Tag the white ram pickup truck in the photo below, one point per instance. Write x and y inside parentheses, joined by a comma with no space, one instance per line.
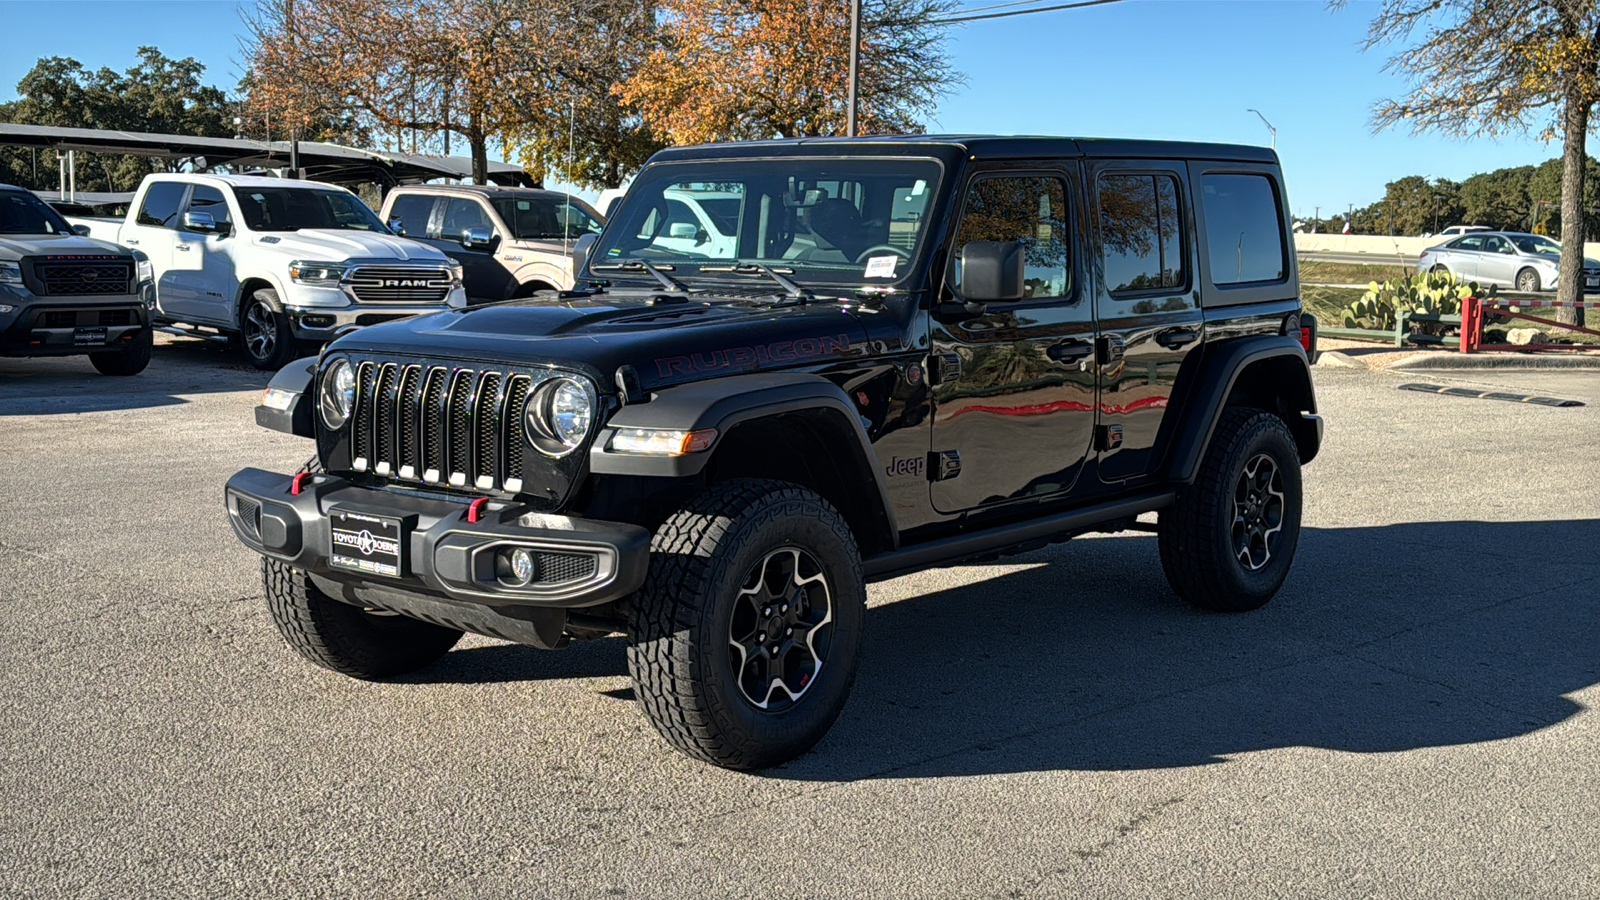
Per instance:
(274,263)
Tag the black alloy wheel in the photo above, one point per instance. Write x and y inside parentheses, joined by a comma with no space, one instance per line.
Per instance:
(780,629)
(1258,509)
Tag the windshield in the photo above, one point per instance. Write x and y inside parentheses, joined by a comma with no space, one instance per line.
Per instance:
(291,209)
(23,213)
(546,218)
(1532,243)
(851,221)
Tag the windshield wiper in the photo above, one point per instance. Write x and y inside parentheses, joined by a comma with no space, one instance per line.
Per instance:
(639,265)
(790,287)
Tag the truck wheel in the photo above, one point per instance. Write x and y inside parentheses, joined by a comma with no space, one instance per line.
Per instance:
(264,332)
(1228,541)
(126,362)
(743,640)
(346,639)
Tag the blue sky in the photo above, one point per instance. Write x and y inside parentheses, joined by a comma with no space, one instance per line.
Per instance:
(1179,69)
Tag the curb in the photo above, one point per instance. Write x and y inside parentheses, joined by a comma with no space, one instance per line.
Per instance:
(1453,361)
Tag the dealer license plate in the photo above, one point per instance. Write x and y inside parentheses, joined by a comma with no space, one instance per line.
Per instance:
(373,545)
(89,337)
(1592,282)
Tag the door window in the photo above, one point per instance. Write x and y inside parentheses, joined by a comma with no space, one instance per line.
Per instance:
(1141,233)
(461,215)
(1031,210)
(1468,243)
(208,199)
(161,203)
(1244,231)
(1497,244)
(412,210)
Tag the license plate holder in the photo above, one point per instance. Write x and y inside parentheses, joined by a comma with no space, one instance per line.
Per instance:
(89,336)
(367,543)
(1592,282)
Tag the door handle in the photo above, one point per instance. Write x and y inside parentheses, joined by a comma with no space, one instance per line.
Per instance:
(1177,337)
(1070,351)
(130,240)
(183,246)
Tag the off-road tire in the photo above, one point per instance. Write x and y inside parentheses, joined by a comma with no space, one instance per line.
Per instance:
(345,639)
(1196,532)
(1527,281)
(267,341)
(130,361)
(678,643)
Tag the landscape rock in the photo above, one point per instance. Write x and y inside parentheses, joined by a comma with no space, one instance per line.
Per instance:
(1524,336)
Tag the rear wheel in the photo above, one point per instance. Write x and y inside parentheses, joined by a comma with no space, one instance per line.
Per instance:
(130,361)
(1528,281)
(1229,539)
(264,332)
(1440,269)
(743,640)
(346,639)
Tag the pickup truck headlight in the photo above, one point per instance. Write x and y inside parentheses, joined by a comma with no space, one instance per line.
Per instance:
(317,273)
(336,395)
(559,415)
(147,271)
(10,273)
(458,273)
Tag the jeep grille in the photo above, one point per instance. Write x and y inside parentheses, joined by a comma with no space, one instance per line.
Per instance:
(440,426)
(76,279)
(399,284)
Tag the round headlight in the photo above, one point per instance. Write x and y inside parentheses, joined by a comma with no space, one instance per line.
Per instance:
(559,415)
(337,394)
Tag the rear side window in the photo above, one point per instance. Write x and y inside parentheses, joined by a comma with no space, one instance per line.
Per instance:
(1467,243)
(1244,233)
(1141,233)
(161,203)
(412,210)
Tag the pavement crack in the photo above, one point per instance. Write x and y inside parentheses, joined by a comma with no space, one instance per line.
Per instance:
(1099,849)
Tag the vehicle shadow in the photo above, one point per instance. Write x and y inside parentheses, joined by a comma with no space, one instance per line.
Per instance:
(69,384)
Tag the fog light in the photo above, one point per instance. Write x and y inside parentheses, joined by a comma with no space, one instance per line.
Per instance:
(317,321)
(517,566)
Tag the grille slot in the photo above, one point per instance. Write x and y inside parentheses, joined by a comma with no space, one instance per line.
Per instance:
(458,423)
(516,396)
(486,431)
(116,317)
(57,318)
(365,379)
(556,568)
(249,512)
(410,403)
(432,422)
(399,284)
(76,279)
(384,435)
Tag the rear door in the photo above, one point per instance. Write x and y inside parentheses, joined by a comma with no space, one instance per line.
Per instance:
(1148,304)
(152,230)
(1464,255)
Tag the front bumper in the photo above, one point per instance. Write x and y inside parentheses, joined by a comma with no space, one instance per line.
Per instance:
(445,555)
(61,327)
(322,323)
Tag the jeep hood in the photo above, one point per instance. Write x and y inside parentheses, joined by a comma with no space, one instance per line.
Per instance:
(339,244)
(17,245)
(665,343)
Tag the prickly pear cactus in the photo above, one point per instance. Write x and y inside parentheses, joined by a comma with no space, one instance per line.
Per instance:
(1423,293)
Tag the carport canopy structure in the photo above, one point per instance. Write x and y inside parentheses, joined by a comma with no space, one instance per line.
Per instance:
(332,163)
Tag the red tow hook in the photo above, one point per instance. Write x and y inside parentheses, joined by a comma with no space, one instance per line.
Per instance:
(472,510)
(294,486)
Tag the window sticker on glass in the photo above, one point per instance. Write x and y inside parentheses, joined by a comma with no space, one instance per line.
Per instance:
(881,266)
(918,188)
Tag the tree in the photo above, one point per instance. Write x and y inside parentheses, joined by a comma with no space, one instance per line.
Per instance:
(1481,67)
(159,95)
(752,69)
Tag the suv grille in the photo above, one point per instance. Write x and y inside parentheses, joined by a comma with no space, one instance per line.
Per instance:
(399,284)
(77,279)
(438,425)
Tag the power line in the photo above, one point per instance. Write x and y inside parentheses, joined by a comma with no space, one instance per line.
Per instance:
(1019,12)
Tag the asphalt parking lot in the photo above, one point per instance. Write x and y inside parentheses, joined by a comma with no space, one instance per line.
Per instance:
(1411,717)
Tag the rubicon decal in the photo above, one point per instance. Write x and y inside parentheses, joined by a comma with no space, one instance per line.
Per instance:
(753,357)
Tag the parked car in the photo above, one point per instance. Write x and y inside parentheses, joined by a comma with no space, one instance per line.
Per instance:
(510,242)
(1458,230)
(273,263)
(1526,262)
(983,345)
(62,293)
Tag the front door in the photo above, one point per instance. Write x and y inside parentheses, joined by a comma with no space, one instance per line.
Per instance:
(486,278)
(152,230)
(1014,386)
(202,285)
(1499,262)
(1147,302)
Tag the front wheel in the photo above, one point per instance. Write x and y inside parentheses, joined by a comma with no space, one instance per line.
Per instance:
(129,361)
(264,332)
(1528,281)
(743,640)
(1228,541)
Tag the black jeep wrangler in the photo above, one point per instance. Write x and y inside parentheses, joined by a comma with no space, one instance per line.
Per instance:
(799,367)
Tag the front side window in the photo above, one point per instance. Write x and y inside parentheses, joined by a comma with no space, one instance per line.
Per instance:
(1031,210)
(294,208)
(161,203)
(1141,234)
(23,213)
(1244,230)
(545,219)
(856,221)
(462,215)
(208,199)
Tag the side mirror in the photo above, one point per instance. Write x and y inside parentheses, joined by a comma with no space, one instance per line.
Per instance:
(581,248)
(991,272)
(397,226)
(682,230)
(199,222)
(80,230)
(478,239)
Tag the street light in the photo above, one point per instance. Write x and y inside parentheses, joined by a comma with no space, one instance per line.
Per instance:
(1269,127)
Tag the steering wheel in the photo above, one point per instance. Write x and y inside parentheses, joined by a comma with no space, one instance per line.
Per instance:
(862,256)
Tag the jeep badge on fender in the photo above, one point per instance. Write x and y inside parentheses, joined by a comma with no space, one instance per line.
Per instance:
(881,356)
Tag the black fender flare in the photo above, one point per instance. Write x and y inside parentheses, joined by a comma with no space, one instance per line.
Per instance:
(1215,381)
(724,404)
(292,395)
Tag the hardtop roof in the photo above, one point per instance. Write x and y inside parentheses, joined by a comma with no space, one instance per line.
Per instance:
(986,147)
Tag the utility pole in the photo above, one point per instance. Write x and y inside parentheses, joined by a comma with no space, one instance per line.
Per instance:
(1316,218)
(855,63)
(1269,127)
